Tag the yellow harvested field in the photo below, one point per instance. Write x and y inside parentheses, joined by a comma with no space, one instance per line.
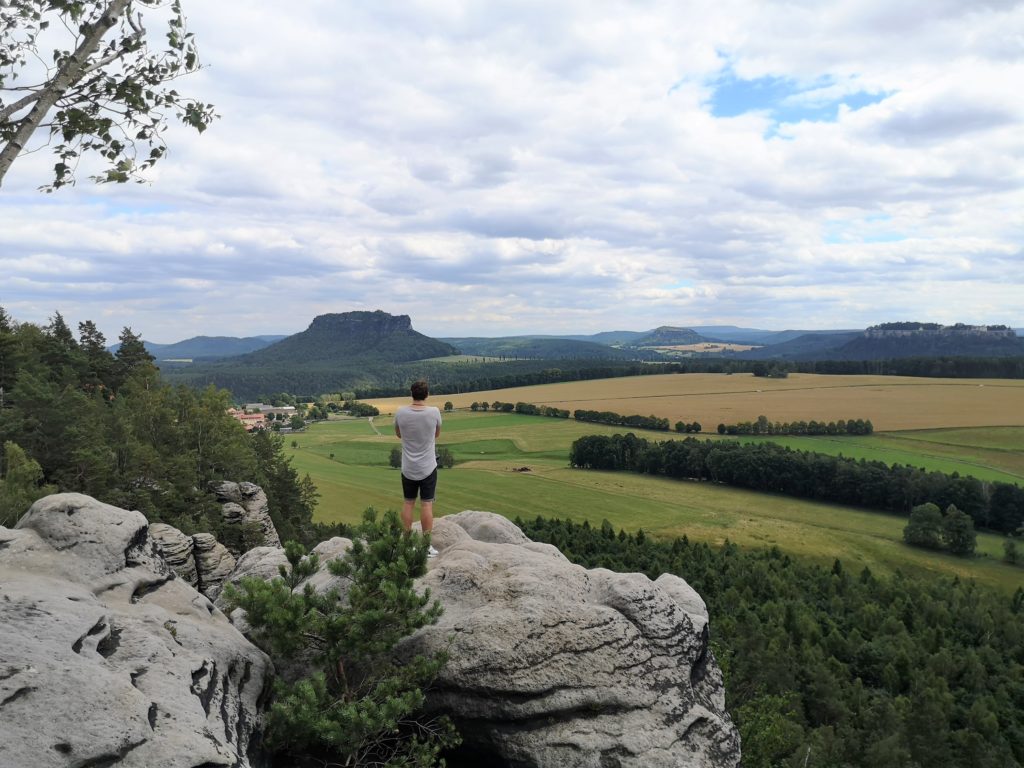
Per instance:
(891,402)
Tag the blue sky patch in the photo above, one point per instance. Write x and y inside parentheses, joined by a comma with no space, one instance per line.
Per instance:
(787,100)
(866,230)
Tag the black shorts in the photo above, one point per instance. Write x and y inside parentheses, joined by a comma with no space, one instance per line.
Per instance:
(425,487)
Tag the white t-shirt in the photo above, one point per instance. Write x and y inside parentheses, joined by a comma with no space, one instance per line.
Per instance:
(418,426)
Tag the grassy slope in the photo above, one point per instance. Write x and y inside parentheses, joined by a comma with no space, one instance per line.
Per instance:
(489,446)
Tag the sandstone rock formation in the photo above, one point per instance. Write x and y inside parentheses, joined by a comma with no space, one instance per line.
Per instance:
(202,560)
(551,664)
(214,563)
(245,508)
(107,659)
(177,550)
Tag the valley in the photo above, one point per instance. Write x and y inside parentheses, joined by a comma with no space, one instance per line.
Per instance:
(349,464)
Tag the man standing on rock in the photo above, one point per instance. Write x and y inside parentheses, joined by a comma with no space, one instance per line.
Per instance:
(419,425)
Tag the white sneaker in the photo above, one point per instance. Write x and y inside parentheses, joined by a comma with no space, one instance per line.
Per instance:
(431,552)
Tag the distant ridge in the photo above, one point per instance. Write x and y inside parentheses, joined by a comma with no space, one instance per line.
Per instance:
(199,347)
(804,346)
(543,347)
(897,340)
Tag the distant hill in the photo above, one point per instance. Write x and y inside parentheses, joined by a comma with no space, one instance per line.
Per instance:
(337,352)
(351,337)
(896,340)
(732,334)
(610,338)
(541,347)
(805,346)
(199,347)
(668,336)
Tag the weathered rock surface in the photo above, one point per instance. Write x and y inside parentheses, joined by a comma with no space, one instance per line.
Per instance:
(214,563)
(245,508)
(551,664)
(177,550)
(107,659)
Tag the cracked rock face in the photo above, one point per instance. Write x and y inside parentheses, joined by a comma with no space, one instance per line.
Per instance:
(551,664)
(108,659)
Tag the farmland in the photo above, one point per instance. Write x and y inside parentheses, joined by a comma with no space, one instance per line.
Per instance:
(488,447)
(890,402)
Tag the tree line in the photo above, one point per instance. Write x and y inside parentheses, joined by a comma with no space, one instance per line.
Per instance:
(774,468)
(74,417)
(831,667)
(618,420)
(763,426)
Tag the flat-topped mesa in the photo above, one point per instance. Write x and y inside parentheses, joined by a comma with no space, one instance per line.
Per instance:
(346,337)
(376,322)
(905,329)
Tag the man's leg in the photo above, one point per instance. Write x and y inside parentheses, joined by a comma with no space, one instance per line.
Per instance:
(409,490)
(428,487)
(426,515)
(407,506)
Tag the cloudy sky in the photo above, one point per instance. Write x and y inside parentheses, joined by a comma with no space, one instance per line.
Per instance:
(550,167)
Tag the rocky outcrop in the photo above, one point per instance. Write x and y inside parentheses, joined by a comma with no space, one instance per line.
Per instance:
(177,550)
(245,510)
(108,659)
(202,560)
(214,563)
(551,664)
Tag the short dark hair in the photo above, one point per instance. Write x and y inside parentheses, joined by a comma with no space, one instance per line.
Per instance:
(419,390)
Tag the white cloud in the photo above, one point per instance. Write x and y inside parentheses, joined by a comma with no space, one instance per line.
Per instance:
(530,167)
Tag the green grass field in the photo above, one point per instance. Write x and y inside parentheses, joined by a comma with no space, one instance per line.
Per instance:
(349,464)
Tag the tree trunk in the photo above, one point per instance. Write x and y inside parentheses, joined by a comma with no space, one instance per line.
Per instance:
(67,76)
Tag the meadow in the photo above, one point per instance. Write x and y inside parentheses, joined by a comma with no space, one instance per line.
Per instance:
(348,460)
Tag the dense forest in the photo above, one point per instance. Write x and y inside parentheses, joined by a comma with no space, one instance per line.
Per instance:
(824,667)
(368,379)
(74,417)
(778,469)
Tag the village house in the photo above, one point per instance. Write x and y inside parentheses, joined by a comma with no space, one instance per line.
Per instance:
(250,421)
(264,408)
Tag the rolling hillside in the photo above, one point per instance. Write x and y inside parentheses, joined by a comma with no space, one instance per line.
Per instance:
(536,348)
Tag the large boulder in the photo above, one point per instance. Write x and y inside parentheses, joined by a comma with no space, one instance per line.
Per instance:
(106,658)
(551,664)
(246,516)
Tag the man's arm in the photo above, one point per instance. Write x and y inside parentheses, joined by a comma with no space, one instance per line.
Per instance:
(437,429)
